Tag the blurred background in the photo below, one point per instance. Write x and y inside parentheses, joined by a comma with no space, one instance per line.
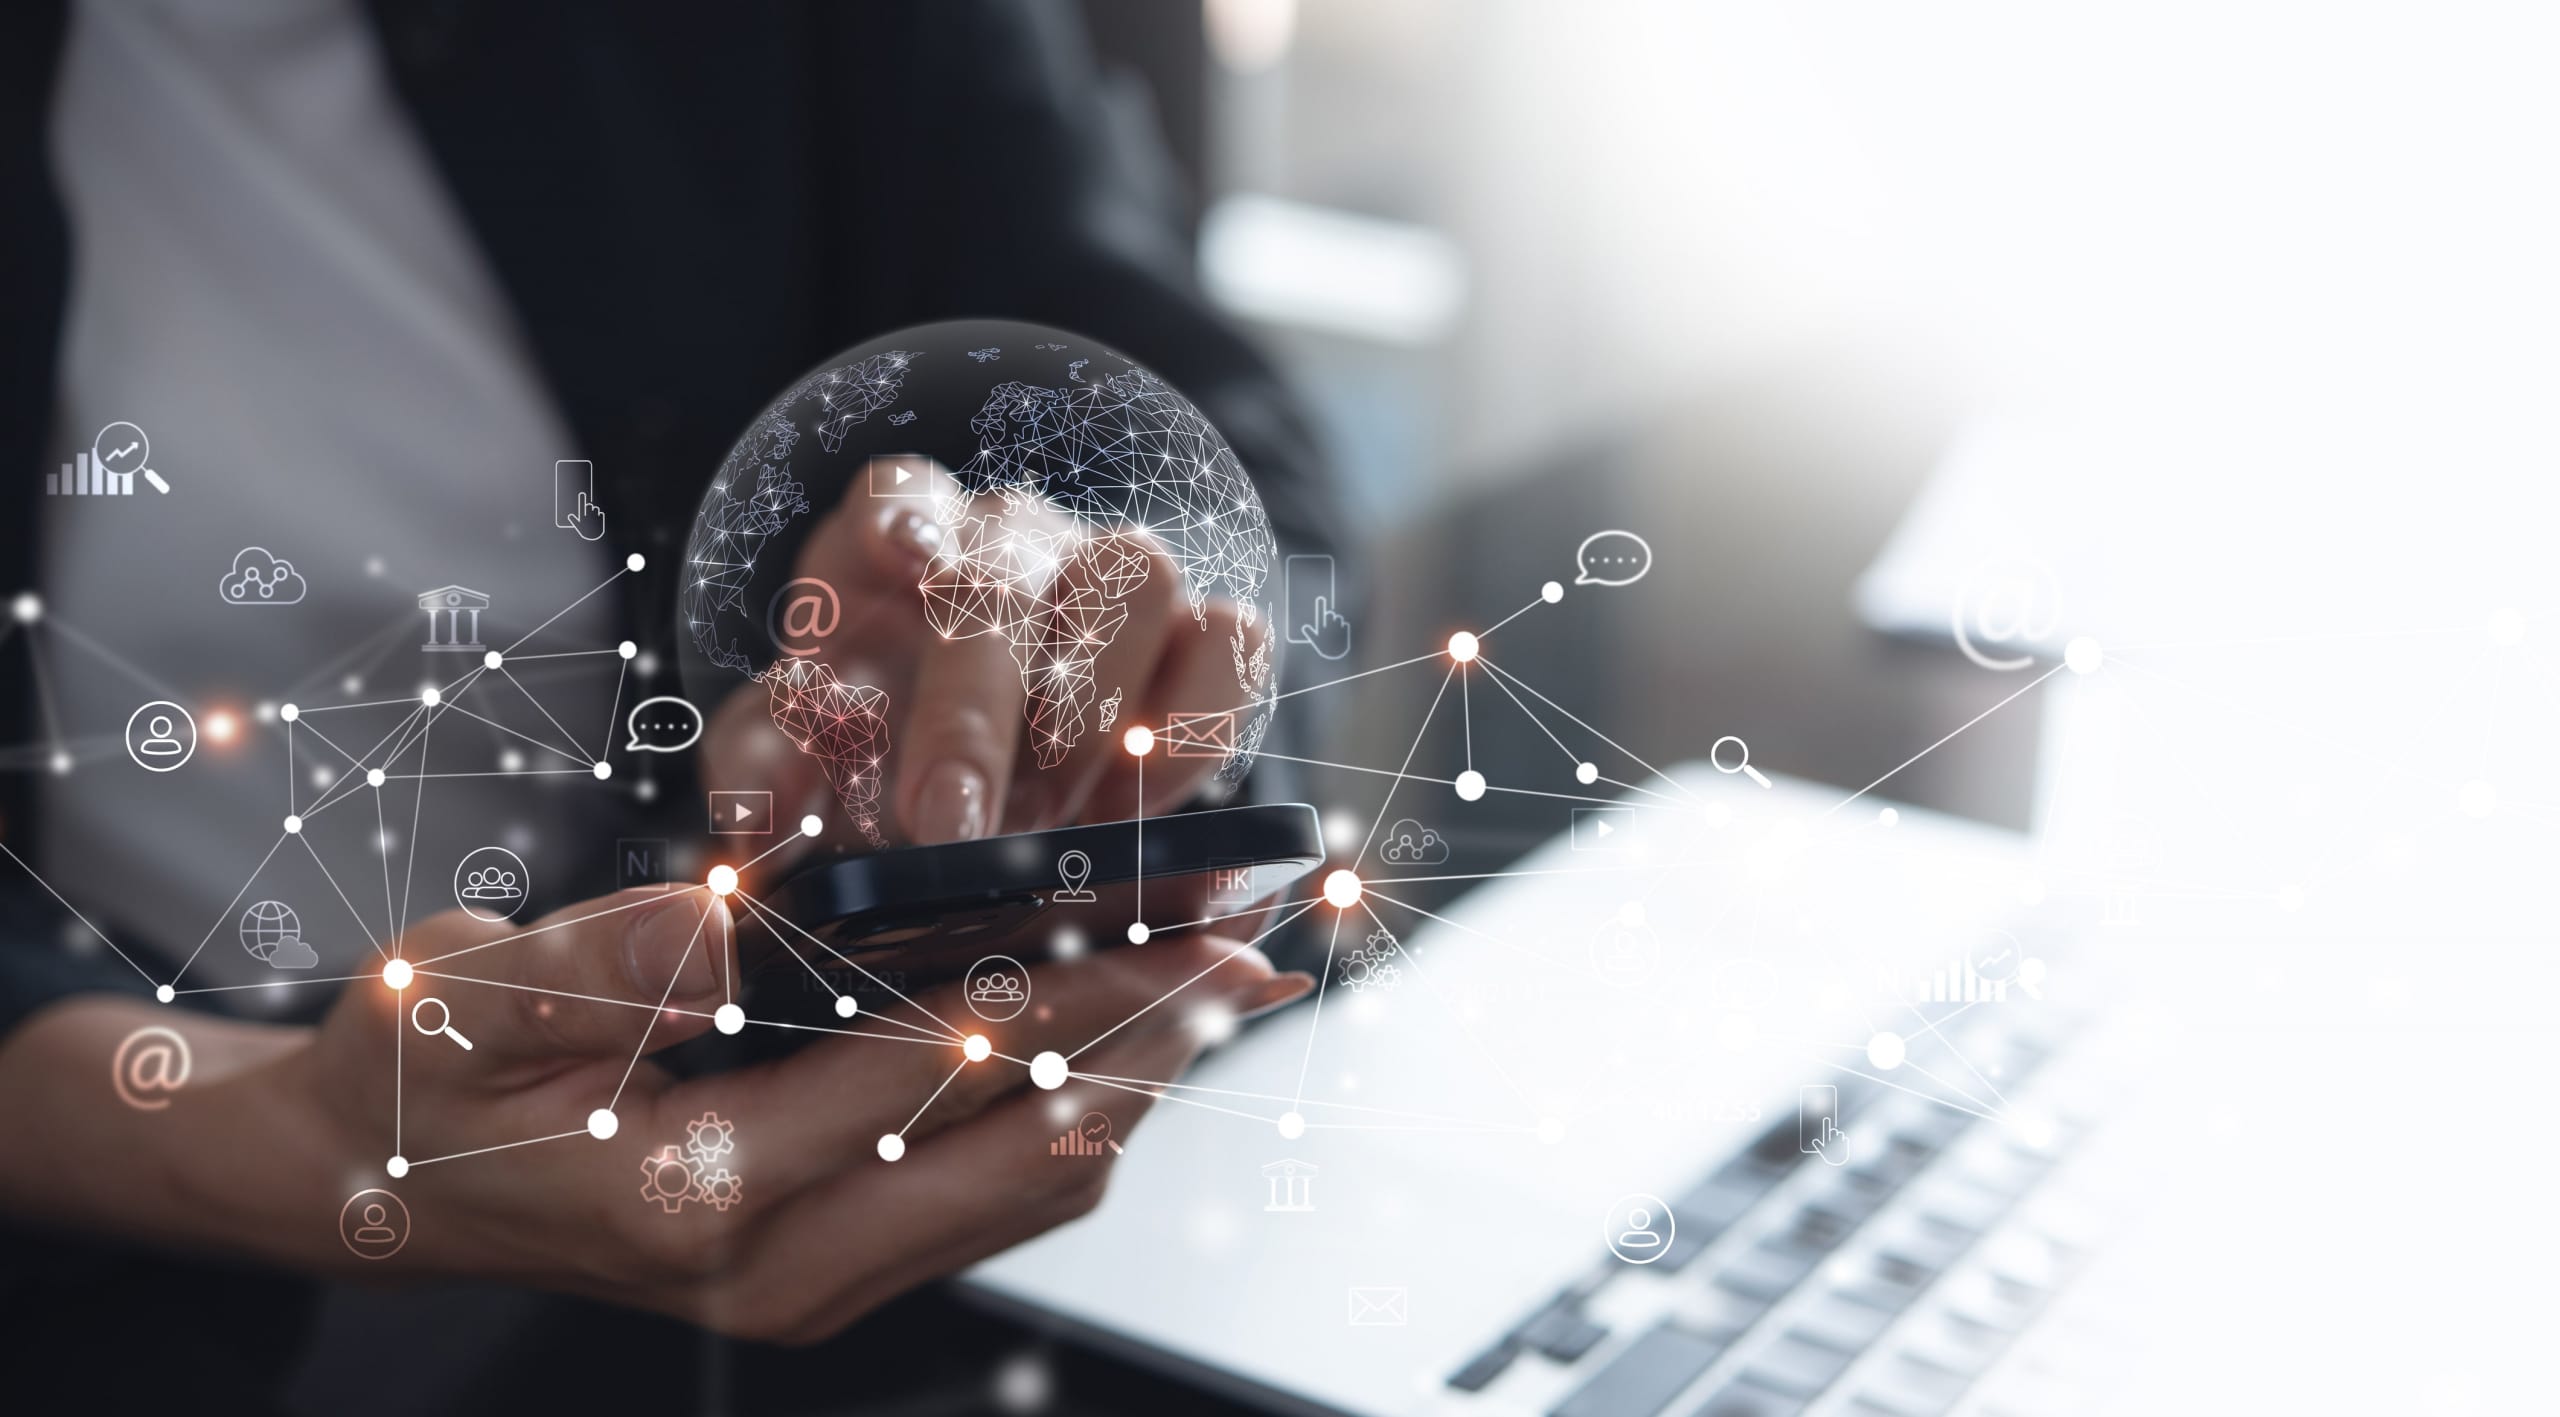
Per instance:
(2221,333)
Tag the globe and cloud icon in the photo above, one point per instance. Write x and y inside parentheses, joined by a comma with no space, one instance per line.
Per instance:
(272,934)
(260,577)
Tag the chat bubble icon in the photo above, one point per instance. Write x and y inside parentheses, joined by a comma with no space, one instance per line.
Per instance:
(1611,558)
(665,724)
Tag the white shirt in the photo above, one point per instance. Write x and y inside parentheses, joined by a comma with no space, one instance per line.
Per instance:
(268,277)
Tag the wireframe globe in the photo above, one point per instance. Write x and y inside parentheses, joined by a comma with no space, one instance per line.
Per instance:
(1057,470)
(266,925)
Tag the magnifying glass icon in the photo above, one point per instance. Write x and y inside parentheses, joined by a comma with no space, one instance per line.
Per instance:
(444,1020)
(124,449)
(1741,759)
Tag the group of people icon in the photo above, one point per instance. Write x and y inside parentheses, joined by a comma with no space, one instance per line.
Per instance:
(493,883)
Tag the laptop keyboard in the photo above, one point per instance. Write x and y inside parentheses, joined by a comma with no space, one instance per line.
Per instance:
(1890,1287)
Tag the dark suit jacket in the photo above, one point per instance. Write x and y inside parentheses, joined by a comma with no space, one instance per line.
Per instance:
(688,204)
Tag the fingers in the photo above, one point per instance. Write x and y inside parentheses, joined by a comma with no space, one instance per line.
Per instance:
(977,1188)
(1150,607)
(828,1105)
(582,982)
(1195,674)
(956,759)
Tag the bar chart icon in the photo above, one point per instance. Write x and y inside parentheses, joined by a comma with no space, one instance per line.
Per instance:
(84,477)
(1959,982)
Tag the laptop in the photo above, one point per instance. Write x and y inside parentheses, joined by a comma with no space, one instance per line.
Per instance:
(1757,1103)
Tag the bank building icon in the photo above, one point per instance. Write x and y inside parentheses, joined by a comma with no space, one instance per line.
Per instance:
(1292,1184)
(447,627)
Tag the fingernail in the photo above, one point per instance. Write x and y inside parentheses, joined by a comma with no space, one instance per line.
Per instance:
(952,806)
(913,531)
(665,934)
(1276,992)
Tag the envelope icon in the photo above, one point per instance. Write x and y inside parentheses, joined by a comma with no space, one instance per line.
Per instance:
(1200,735)
(1377,1306)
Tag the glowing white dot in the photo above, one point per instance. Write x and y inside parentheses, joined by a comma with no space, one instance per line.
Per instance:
(1551,1129)
(1140,741)
(2506,626)
(845,1006)
(289,712)
(811,825)
(165,993)
(729,1018)
(626,649)
(635,561)
(511,761)
(892,1146)
(397,1166)
(977,1048)
(492,660)
(1586,773)
(1462,647)
(60,763)
(28,607)
(602,1124)
(1886,1051)
(398,974)
(322,777)
(1138,932)
(1470,785)
(1049,1071)
(2083,655)
(373,777)
(603,771)
(722,880)
(647,664)
(2478,798)
(293,824)
(220,726)
(1887,817)
(1292,1126)
(1551,592)
(1342,889)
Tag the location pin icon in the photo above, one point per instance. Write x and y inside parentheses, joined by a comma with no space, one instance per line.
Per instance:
(1073,868)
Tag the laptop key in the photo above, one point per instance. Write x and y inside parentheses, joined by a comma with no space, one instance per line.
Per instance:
(1843,1322)
(1798,1364)
(1766,1271)
(1745,1398)
(1914,1389)
(1481,1370)
(1646,1376)
(1561,1333)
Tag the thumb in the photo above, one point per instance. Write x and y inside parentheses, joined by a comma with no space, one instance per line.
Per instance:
(585,980)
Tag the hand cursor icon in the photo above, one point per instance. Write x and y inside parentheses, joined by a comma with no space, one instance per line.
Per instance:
(587,520)
(1329,635)
(1833,1144)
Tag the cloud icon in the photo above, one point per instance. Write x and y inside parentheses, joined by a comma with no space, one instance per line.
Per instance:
(1410,843)
(259,577)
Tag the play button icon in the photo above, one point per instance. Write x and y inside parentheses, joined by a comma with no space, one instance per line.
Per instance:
(1604,828)
(901,475)
(742,813)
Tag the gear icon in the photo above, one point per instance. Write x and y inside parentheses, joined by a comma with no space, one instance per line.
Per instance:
(720,1189)
(710,1138)
(667,1178)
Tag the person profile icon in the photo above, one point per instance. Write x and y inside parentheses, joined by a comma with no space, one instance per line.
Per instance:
(1074,868)
(1639,1234)
(160,742)
(373,1231)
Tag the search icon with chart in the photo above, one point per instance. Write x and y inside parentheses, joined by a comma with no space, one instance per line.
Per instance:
(1741,759)
(123,450)
(443,1020)
(1091,1136)
(490,884)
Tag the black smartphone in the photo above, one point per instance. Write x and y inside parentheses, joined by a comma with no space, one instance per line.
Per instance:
(918,915)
